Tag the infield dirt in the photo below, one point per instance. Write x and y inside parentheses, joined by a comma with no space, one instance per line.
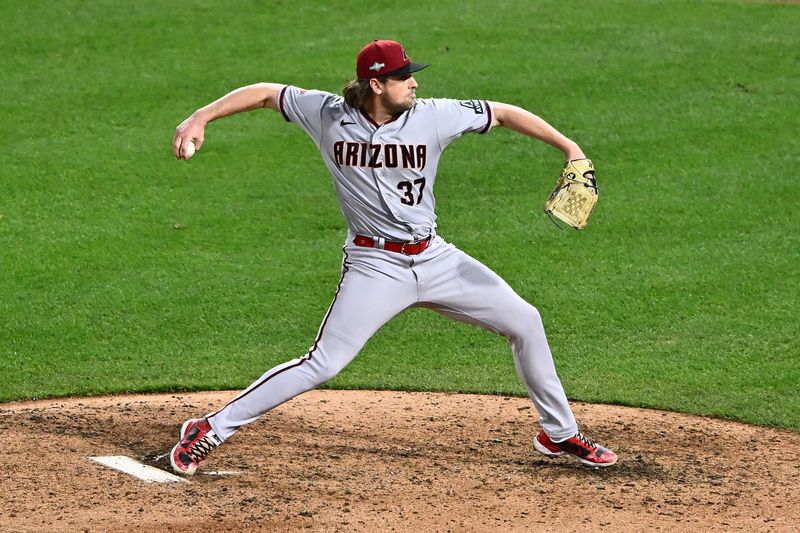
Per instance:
(390,461)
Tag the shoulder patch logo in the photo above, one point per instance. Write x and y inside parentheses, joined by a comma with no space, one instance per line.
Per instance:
(377,66)
(475,105)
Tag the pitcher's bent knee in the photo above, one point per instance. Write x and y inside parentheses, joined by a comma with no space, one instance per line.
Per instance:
(527,322)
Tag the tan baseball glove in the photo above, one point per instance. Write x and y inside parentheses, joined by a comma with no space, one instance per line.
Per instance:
(575,195)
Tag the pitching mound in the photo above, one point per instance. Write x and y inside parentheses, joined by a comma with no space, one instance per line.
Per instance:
(388,461)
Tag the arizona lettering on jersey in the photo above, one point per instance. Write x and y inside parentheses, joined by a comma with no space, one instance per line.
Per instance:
(384,174)
(363,154)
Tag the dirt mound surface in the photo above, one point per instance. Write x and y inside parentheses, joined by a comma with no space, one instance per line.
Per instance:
(389,461)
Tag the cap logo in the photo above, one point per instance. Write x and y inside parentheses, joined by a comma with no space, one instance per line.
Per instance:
(405,54)
(377,66)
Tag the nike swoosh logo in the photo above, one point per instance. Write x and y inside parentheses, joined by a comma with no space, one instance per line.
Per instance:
(345,123)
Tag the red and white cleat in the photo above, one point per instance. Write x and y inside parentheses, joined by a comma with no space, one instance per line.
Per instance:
(197,441)
(581,447)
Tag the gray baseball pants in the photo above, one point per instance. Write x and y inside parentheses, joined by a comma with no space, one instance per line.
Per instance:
(376,285)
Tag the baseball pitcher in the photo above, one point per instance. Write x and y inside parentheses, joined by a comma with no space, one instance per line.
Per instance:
(382,146)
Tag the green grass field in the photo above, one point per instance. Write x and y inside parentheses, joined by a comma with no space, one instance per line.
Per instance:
(122,269)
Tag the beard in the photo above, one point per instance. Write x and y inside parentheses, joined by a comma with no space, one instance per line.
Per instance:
(395,107)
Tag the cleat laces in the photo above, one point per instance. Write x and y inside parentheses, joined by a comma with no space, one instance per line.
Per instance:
(580,436)
(201,449)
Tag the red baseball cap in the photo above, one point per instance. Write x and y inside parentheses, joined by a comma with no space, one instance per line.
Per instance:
(383,58)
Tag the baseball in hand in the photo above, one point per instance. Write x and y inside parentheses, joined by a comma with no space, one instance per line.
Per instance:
(190,149)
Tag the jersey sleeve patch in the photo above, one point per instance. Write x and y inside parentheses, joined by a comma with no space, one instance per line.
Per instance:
(475,105)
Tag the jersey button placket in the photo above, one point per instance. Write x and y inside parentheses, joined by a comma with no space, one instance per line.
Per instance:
(377,172)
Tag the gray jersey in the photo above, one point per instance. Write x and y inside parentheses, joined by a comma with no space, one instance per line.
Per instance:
(384,174)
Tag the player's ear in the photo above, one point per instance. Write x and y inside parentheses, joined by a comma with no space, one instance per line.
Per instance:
(376,85)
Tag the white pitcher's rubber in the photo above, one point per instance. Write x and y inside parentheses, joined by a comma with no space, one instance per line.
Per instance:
(137,469)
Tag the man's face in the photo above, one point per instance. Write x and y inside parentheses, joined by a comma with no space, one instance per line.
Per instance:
(399,93)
